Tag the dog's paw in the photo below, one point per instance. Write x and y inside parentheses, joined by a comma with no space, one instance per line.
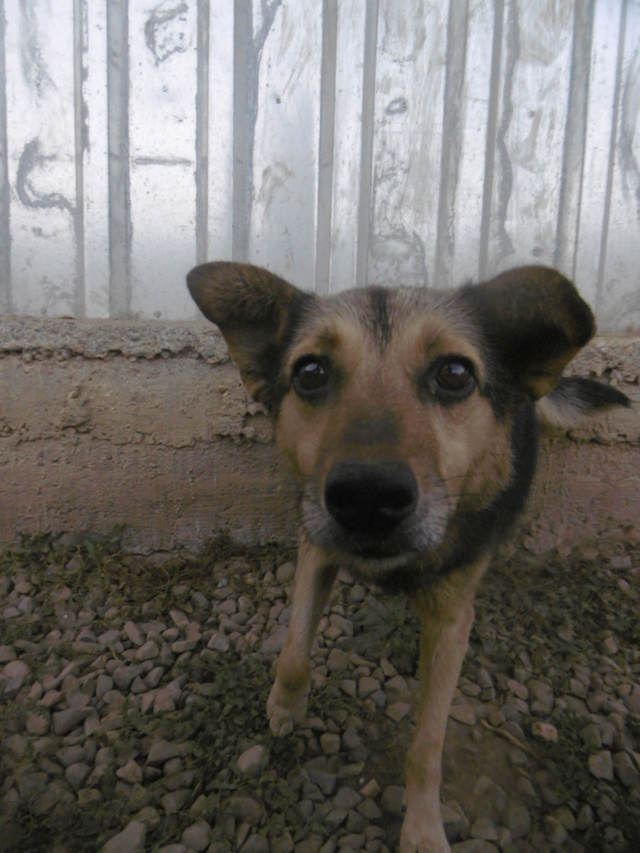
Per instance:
(418,838)
(424,845)
(284,710)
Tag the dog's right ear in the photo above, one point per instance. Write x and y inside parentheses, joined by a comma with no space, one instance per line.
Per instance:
(257,313)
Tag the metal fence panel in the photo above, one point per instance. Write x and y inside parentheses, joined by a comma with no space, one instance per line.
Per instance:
(337,142)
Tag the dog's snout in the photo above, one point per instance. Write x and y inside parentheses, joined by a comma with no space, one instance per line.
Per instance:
(370,499)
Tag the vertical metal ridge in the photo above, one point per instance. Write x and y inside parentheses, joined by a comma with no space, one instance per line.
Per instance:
(247,52)
(568,224)
(118,132)
(6,299)
(326,144)
(202,133)
(79,26)
(451,139)
(604,237)
(492,136)
(242,128)
(366,152)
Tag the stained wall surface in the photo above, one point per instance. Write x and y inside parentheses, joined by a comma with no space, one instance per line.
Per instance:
(337,142)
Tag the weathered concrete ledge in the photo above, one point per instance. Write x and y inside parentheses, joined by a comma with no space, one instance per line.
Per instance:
(105,422)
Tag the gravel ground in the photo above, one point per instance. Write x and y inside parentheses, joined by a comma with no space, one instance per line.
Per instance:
(132,697)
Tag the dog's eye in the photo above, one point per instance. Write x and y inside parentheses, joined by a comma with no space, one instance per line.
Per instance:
(452,378)
(310,374)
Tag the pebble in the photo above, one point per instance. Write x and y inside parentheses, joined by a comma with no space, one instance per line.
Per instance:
(196,836)
(392,800)
(14,675)
(130,840)
(252,760)
(601,765)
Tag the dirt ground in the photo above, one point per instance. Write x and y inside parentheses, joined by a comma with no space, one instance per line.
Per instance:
(543,744)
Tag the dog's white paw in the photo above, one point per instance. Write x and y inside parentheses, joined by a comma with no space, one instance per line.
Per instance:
(424,845)
(284,710)
(418,838)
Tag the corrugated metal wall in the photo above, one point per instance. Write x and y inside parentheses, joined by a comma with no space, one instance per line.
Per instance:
(337,142)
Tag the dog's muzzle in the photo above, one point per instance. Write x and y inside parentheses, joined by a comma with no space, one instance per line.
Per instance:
(370,500)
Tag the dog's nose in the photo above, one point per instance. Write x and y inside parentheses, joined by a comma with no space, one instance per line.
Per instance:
(370,499)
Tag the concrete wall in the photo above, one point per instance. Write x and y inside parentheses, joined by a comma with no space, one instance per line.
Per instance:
(111,423)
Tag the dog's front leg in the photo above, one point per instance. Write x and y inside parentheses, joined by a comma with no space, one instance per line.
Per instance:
(287,703)
(446,616)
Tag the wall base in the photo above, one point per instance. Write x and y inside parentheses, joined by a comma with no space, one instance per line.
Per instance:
(149,426)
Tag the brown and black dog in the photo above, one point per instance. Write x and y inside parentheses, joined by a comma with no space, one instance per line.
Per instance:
(407,417)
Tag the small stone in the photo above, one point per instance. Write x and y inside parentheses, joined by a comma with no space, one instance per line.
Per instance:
(147,651)
(392,799)
(89,797)
(37,724)
(163,750)
(633,700)
(167,698)
(245,809)
(219,642)
(541,697)
(14,676)
(130,772)
(196,836)
(463,714)
(153,678)
(518,822)
(330,743)
(585,818)
(179,619)
(66,721)
(625,770)
(175,801)
(70,755)
(338,660)
(371,789)
(252,760)
(350,687)
(398,711)
(545,731)
(103,685)
(134,633)
(6,654)
(130,840)
(273,644)
(285,572)
(124,675)
(323,779)
(367,686)
(346,799)
(76,775)
(601,765)
(343,625)
(554,830)
(564,815)
(484,828)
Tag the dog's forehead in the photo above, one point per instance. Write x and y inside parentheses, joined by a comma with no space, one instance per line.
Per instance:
(417,320)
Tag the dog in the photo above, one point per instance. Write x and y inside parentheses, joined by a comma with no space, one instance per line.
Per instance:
(408,419)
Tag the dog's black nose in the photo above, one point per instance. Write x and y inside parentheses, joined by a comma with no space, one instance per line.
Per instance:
(370,499)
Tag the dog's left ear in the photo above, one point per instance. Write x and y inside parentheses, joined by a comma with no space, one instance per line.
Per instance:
(535,321)
(256,312)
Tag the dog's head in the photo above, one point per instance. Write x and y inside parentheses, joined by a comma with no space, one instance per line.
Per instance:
(395,409)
